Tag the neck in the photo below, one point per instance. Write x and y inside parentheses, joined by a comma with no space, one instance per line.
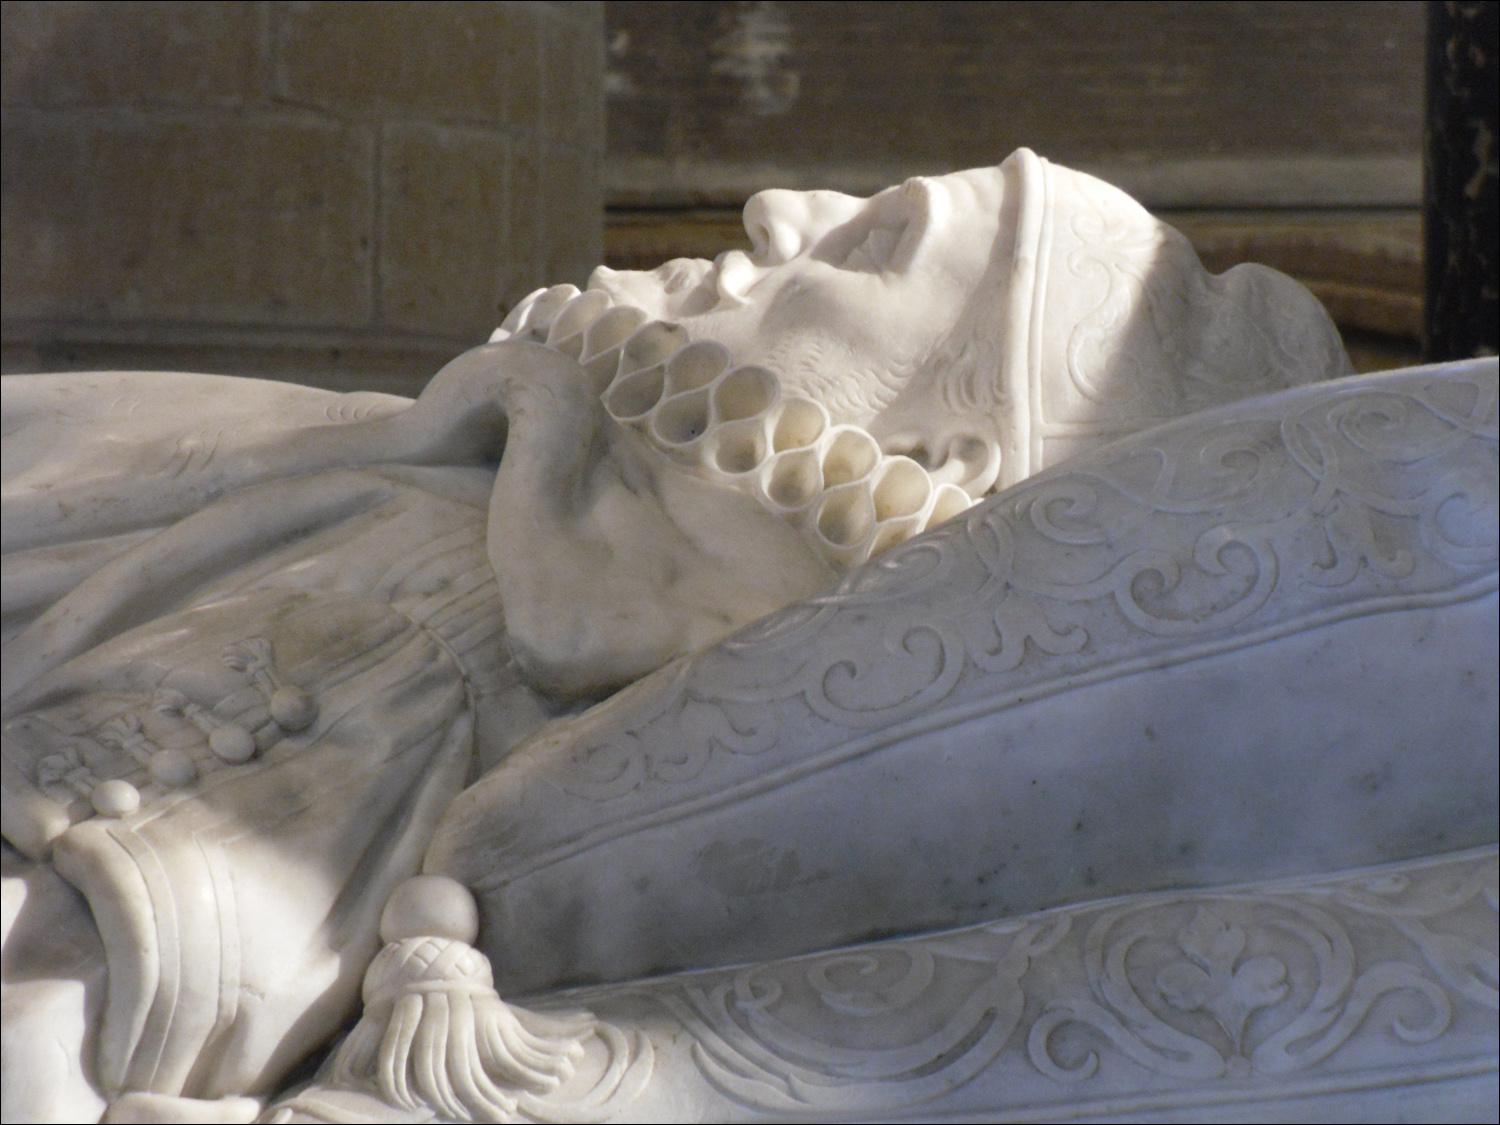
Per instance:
(732,424)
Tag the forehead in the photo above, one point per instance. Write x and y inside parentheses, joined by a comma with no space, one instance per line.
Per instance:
(977,190)
(975,185)
(972,186)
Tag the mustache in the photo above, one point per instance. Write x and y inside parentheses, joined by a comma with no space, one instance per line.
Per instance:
(676,288)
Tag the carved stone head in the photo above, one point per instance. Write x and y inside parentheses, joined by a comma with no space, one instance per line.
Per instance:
(990,322)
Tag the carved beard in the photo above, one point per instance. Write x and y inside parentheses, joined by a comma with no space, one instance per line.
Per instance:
(732,424)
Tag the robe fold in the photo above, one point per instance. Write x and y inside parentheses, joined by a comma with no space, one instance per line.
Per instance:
(240,906)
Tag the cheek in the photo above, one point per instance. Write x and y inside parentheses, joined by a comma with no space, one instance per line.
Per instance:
(853,345)
(849,340)
(846,313)
(738,329)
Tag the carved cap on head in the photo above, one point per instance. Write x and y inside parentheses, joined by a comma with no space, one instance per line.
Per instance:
(1109,324)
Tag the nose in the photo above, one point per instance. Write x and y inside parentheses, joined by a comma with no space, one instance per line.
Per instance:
(783,224)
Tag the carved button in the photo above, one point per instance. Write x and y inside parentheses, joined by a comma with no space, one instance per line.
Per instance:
(173,769)
(293,709)
(232,743)
(116,798)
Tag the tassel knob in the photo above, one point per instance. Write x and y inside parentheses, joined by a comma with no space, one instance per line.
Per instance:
(430,906)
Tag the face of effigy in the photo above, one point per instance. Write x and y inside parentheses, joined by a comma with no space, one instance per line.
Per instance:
(871,367)
(813,376)
(873,307)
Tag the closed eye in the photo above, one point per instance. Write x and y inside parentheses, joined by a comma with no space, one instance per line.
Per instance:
(874,254)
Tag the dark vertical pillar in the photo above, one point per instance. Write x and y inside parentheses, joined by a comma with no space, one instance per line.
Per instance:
(1461,204)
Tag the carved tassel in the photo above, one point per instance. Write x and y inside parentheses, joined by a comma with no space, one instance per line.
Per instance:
(435,1033)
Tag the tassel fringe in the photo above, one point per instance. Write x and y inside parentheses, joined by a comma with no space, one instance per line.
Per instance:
(436,1034)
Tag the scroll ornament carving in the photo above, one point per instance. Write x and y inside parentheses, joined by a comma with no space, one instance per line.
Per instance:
(1209,973)
(752,1047)
(1191,989)
(1144,317)
(1172,991)
(1260,519)
(1287,956)
(1335,983)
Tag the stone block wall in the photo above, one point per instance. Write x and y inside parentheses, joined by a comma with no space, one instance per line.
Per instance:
(340,193)
(1283,132)
(1248,103)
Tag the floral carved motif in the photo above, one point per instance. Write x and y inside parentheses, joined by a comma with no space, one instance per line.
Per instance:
(1256,520)
(1339,983)
(1267,1015)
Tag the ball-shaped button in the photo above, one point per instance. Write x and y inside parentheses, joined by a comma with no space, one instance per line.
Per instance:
(293,709)
(173,769)
(232,743)
(116,798)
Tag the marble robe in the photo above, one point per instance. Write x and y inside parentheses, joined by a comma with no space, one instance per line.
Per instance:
(238,911)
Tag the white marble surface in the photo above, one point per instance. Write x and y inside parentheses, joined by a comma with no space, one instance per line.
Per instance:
(271,652)
(1363,996)
(1257,641)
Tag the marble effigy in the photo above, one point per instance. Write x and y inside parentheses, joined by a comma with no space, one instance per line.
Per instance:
(959,573)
